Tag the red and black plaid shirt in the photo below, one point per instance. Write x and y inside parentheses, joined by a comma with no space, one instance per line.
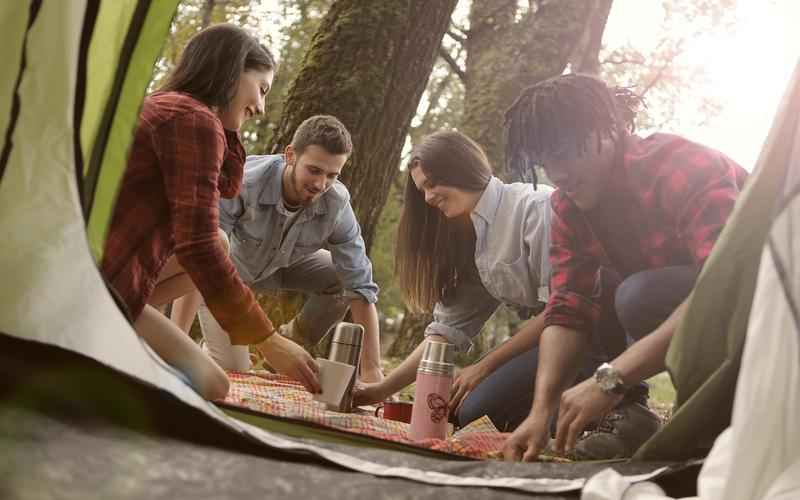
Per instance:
(181,161)
(665,205)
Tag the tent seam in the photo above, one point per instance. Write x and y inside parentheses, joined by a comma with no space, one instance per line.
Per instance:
(126,55)
(16,104)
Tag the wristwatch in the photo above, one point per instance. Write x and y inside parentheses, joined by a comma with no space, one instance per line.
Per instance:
(609,380)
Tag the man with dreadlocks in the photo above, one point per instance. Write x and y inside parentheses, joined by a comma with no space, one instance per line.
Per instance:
(634,219)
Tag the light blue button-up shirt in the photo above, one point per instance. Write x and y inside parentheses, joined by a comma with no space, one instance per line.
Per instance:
(256,219)
(512,229)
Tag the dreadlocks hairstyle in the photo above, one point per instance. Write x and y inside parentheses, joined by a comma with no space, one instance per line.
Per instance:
(433,252)
(561,113)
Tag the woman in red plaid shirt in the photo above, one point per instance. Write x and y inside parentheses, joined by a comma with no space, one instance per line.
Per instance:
(164,240)
(634,219)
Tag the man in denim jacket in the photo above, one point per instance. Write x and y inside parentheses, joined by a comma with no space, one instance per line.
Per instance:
(292,228)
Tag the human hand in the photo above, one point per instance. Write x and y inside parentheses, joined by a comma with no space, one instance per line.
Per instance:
(288,358)
(369,393)
(528,440)
(467,379)
(581,405)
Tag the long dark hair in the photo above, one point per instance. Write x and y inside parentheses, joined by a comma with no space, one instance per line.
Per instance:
(434,252)
(561,113)
(212,62)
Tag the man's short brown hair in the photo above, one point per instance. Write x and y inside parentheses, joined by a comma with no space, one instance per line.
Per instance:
(325,131)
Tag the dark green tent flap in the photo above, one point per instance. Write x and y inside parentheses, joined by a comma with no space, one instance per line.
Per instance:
(705,355)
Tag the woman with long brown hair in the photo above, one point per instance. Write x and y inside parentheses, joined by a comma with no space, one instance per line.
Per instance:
(164,239)
(468,242)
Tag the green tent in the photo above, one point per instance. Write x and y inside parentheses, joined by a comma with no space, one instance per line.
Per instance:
(86,408)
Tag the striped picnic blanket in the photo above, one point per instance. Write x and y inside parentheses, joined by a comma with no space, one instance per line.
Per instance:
(281,396)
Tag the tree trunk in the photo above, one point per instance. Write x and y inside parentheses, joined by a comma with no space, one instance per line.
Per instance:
(410,334)
(368,65)
(505,55)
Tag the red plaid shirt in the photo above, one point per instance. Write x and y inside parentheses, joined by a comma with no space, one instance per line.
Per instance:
(665,205)
(180,163)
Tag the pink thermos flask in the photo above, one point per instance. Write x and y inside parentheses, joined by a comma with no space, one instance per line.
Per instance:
(432,394)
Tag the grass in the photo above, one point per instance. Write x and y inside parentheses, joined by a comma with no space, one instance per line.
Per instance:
(662,395)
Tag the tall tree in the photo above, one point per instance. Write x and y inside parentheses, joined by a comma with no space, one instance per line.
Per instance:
(368,64)
(509,49)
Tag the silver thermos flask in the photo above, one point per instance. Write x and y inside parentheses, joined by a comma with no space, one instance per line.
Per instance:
(346,348)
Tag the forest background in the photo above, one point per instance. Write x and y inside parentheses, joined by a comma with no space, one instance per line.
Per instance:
(396,70)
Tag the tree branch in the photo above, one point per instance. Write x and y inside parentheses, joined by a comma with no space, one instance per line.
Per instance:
(456,36)
(663,69)
(458,70)
(638,59)
(208,9)
(585,56)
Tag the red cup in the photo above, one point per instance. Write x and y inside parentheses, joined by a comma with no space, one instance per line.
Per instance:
(395,410)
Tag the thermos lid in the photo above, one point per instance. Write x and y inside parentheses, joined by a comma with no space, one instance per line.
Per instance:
(348,333)
(437,358)
(438,352)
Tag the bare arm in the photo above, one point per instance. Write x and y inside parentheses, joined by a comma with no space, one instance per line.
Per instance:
(647,357)
(586,402)
(398,378)
(469,378)
(526,338)
(560,349)
(366,315)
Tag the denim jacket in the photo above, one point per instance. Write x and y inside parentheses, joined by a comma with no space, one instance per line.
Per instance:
(512,229)
(255,221)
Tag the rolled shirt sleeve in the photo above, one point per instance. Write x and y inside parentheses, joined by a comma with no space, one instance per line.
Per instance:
(349,256)
(461,316)
(574,270)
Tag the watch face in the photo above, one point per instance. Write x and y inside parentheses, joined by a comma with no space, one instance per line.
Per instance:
(607,377)
(606,383)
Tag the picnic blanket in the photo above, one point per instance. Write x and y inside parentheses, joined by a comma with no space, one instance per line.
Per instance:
(281,396)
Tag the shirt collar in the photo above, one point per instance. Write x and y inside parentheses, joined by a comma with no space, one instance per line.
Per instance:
(489,200)
(271,191)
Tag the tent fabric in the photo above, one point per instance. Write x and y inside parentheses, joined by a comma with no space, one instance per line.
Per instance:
(281,396)
(705,354)
(74,394)
(758,456)
(55,298)
(147,26)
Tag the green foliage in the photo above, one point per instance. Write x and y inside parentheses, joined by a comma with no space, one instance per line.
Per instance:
(297,21)
(191,17)
(663,73)
(286,27)
(382,252)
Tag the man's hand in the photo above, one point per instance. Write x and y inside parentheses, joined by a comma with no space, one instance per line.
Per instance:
(288,358)
(528,440)
(367,394)
(581,405)
(467,379)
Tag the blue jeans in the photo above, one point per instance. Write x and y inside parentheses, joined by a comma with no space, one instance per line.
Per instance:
(631,310)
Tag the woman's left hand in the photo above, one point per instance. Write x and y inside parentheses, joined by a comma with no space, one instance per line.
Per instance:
(467,379)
